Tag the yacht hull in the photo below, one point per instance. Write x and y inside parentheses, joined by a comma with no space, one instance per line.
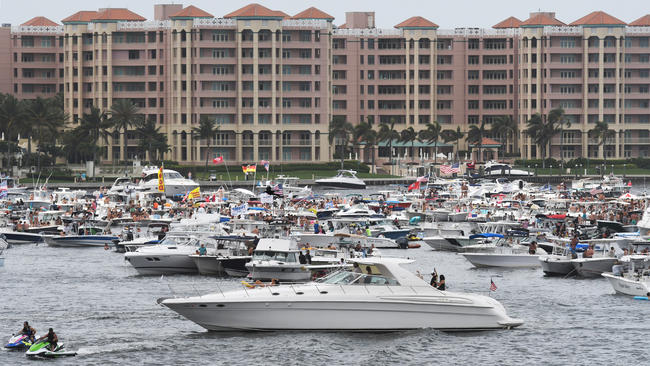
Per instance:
(593,267)
(486,260)
(448,244)
(155,264)
(341,185)
(207,265)
(554,265)
(327,311)
(17,238)
(74,241)
(627,286)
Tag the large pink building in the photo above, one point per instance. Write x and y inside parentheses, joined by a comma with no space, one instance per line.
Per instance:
(273,81)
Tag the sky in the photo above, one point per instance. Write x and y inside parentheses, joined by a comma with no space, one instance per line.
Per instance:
(447,14)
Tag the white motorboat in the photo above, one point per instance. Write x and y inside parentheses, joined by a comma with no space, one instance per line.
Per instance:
(494,168)
(343,240)
(277,259)
(175,183)
(171,256)
(344,179)
(593,267)
(391,298)
(514,256)
(218,250)
(635,281)
(75,241)
(21,237)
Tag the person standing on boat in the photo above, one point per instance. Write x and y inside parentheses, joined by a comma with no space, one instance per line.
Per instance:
(316,229)
(434,279)
(308,257)
(301,258)
(368,232)
(441,284)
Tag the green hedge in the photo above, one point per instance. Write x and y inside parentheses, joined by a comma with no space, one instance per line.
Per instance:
(643,163)
(274,168)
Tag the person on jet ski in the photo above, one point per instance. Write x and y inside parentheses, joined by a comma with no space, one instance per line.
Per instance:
(28,331)
(51,338)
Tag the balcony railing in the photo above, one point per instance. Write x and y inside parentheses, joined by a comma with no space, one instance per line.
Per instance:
(37,29)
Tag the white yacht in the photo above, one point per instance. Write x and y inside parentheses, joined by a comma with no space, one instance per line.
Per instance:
(344,179)
(277,259)
(494,168)
(505,255)
(175,183)
(635,281)
(171,256)
(391,298)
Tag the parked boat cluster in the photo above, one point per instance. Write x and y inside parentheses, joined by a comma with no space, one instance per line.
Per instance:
(321,257)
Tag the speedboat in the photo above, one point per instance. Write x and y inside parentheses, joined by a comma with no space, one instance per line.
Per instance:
(494,168)
(219,250)
(510,256)
(344,179)
(635,281)
(171,256)
(75,241)
(42,349)
(175,183)
(21,237)
(389,299)
(277,259)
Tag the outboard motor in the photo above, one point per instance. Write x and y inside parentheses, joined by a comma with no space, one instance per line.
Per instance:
(402,243)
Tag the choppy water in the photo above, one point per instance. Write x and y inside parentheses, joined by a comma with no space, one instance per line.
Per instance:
(100,307)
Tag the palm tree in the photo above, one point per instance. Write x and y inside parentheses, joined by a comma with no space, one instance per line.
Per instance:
(453,136)
(124,115)
(358,133)
(12,115)
(541,132)
(505,127)
(601,132)
(339,130)
(93,127)
(206,130)
(388,133)
(409,135)
(371,138)
(432,134)
(475,136)
(46,119)
(152,140)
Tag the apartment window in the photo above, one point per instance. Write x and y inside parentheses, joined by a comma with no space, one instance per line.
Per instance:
(472,74)
(371,59)
(472,104)
(472,89)
(473,60)
(566,42)
(134,55)
(473,44)
(567,59)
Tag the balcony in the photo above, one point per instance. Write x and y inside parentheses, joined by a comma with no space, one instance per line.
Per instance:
(637,140)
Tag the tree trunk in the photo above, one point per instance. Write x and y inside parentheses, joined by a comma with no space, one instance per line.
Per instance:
(207,153)
(372,149)
(435,156)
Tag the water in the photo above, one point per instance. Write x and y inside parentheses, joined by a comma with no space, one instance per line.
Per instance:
(100,307)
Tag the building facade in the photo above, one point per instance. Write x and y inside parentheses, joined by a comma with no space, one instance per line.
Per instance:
(273,81)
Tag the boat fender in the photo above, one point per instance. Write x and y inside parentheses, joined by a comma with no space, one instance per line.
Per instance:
(643,298)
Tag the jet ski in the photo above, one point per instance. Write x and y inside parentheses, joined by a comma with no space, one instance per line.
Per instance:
(42,349)
(18,341)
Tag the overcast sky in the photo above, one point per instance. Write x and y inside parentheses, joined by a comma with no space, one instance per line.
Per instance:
(448,13)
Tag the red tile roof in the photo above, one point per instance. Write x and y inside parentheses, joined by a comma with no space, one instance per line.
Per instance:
(343,26)
(254,10)
(40,22)
(81,16)
(282,14)
(598,18)
(489,141)
(511,22)
(644,21)
(417,22)
(313,13)
(118,14)
(541,19)
(192,12)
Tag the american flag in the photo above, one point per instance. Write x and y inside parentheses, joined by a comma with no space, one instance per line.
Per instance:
(278,189)
(450,169)
(493,287)
(595,191)
(423,179)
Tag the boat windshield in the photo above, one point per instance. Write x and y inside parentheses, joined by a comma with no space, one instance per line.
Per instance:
(274,256)
(353,278)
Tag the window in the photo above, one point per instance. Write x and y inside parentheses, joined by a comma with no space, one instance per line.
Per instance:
(134,55)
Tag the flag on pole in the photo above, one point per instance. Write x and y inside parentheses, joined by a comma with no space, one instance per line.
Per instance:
(450,169)
(423,179)
(266,164)
(249,168)
(493,287)
(195,193)
(218,160)
(161,180)
(414,185)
